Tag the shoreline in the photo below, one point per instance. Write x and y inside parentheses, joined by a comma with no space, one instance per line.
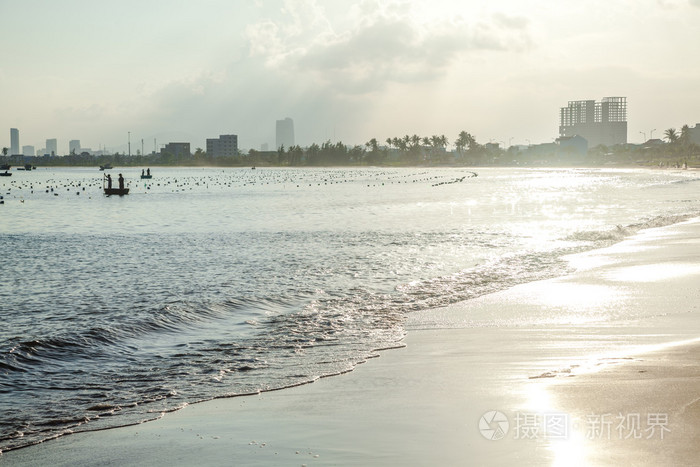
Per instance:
(423,404)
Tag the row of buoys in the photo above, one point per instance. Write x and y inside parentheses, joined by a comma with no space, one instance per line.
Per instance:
(239,178)
(450,182)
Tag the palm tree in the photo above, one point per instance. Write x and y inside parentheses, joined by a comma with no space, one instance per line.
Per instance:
(671,135)
(397,143)
(460,143)
(415,141)
(685,135)
(373,145)
(281,156)
(465,141)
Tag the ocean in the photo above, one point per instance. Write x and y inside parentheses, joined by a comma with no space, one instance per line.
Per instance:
(216,282)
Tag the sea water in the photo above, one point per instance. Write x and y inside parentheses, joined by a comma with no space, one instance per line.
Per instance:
(210,282)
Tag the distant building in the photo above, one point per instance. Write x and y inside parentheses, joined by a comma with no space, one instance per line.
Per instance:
(542,150)
(74,146)
(14,142)
(654,142)
(223,146)
(52,147)
(264,147)
(28,151)
(603,122)
(284,134)
(572,145)
(177,149)
(694,134)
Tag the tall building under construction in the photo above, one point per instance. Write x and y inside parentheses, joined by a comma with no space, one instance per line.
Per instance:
(603,122)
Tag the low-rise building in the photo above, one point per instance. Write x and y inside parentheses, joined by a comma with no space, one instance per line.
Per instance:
(573,145)
(223,146)
(694,134)
(177,149)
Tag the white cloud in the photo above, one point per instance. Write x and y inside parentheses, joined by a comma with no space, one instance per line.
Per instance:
(264,40)
(387,42)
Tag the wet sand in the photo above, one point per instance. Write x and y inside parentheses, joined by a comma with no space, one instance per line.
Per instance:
(642,412)
(433,402)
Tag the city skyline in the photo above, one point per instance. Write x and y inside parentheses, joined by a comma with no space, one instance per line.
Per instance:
(343,71)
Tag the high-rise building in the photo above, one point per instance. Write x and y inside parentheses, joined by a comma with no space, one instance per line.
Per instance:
(14,142)
(28,151)
(74,146)
(223,146)
(603,122)
(52,147)
(284,134)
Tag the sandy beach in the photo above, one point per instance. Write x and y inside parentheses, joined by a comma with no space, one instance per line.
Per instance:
(557,393)
(643,412)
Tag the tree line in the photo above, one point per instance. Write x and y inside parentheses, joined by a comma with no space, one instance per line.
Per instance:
(680,143)
(403,150)
(397,151)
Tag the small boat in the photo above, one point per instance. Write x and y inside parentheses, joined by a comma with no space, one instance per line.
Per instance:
(147,176)
(113,191)
(116,191)
(5,174)
(107,166)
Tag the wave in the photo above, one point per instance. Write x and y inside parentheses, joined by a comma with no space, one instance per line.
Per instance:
(618,233)
(132,365)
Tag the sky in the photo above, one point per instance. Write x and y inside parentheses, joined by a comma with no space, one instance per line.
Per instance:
(108,71)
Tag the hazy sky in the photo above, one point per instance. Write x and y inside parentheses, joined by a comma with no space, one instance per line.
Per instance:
(176,70)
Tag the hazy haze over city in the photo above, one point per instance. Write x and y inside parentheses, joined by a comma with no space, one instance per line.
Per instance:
(343,70)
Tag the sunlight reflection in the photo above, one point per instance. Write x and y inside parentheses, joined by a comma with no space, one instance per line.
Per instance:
(568,450)
(576,448)
(594,299)
(652,272)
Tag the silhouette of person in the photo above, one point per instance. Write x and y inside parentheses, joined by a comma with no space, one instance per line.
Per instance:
(143,172)
(148,171)
(109,182)
(121,182)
